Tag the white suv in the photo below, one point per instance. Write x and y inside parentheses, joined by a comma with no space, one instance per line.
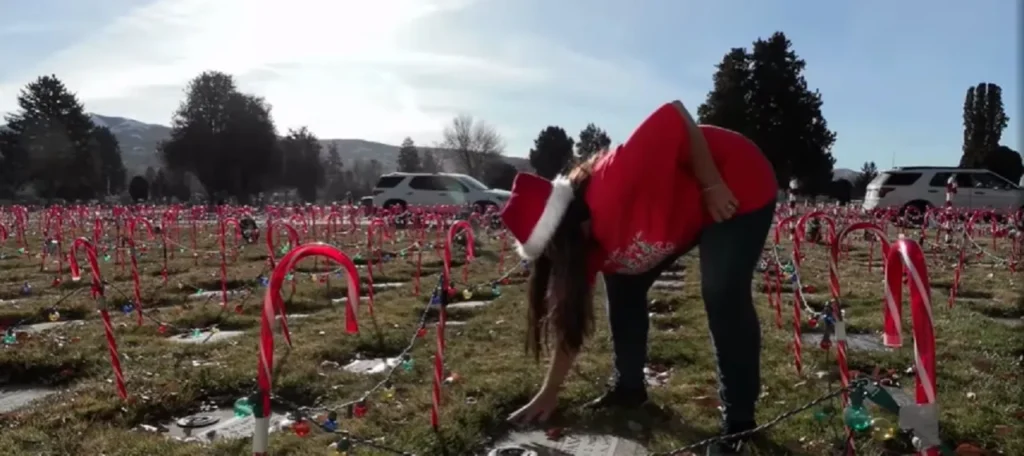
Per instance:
(422,189)
(925,186)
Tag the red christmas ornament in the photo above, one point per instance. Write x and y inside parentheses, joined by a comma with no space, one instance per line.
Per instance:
(359,410)
(421,333)
(813,322)
(162,329)
(238,308)
(825,344)
(301,428)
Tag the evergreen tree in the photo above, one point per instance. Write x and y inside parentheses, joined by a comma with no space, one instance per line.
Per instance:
(500,174)
(138,189)
(113,172)
(551,152)
(868,173)
(985,120)
(303,167)
(49,143)
(429,164)
(592,140)
(763,95)
(226,138)
(334,174)
(409,157)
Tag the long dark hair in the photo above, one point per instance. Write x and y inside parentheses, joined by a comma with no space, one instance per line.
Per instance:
(560,297)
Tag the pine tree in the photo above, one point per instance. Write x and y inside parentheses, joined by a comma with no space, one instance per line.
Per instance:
(551,152)
(303,167)
(49,142)
(224,137)
(592,140)
(429,164)
(763,95)
(409,157)
(985,120)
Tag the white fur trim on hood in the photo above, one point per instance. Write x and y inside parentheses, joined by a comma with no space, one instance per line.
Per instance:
(554,209)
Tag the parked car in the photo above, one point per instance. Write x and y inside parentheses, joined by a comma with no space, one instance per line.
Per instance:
(424,189)
(923,187)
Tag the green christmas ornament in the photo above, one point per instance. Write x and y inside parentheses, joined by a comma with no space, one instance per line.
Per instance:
(243,407)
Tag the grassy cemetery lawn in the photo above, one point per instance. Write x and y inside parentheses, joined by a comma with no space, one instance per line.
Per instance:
(191,355)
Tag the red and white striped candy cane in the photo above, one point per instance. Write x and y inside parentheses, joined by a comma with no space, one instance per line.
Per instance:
(272,303)
(907,255)
(97,291)
(435,410)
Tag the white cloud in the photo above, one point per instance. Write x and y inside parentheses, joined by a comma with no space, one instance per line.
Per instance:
(342,67)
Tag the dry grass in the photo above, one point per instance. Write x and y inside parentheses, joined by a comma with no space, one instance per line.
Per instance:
(976,354)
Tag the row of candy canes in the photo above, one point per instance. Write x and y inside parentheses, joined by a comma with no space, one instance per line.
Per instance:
(98,288)
(904,258)
(274,306)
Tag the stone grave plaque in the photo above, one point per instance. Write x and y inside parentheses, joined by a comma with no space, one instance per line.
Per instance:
(1011,322)
(371,366)
(12,399)
(220,424)
(668,284)
(215,294)
(205,337)
(570,444)
(854,342)
(673,275)
(46,326)
(468,305)
(900,396)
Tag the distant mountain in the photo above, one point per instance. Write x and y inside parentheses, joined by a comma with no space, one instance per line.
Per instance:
(844,173)
(139,142)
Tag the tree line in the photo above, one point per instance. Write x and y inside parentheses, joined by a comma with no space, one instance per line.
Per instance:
(226,141)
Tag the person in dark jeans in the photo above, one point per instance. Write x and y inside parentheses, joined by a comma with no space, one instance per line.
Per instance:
(629,213)
(729,252)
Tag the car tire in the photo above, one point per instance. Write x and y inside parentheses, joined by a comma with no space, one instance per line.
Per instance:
(395,202)
(482,206)
(921,206)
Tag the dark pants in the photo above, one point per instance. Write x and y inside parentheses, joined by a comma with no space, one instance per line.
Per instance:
(729,252)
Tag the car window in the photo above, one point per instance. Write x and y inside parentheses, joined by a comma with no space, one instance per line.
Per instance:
(963,180)
(389,181)
(469,181)
(989,180)
(900,179)
(426,183)
(452,185)
(939,179)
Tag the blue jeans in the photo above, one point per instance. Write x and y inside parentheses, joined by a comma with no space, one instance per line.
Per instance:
(729,252)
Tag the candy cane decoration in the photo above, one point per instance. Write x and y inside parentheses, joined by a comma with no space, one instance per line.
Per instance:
(443,317)
(906,255)
(224,222)
(293,238)
(97,291)
(272,303)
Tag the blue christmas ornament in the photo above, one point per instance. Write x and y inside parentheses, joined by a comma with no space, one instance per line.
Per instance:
(128,307)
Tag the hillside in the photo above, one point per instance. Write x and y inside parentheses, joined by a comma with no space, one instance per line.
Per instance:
(139,140)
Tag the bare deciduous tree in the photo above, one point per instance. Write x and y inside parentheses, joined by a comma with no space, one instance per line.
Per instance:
(473,143)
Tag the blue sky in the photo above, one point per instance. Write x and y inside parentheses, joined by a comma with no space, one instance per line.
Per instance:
(892,74)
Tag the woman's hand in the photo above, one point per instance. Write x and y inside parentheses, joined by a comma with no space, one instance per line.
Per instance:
(539,409)
(720,202)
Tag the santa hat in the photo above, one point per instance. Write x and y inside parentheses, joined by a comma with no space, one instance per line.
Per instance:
(534,210)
